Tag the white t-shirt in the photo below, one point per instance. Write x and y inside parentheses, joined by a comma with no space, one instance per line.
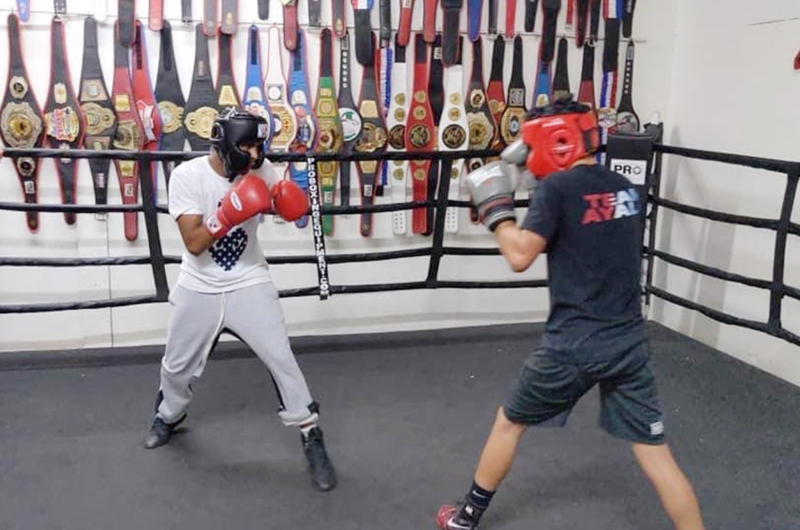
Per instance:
(234,261)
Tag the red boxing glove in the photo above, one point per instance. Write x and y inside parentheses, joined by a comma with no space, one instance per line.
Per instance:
(245,199)
(289,200)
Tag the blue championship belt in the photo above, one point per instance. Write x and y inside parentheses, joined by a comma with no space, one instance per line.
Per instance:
(474,10)
(254,100)
(300,102)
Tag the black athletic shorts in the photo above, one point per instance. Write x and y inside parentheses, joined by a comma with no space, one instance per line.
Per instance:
(551,383)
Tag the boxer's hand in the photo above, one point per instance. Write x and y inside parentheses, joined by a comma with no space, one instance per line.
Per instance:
(492,188)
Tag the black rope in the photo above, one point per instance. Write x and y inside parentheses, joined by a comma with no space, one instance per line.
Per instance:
(469,251)
(439,219)
(755,222)
(71,306)
(76,262)
(792,292)
(777,290)
(710,271)
(153,236)
(769,164)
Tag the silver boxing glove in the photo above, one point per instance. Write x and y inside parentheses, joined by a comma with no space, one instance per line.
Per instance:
(492,188)
(516,156)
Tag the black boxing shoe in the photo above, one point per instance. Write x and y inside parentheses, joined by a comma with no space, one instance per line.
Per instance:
(462,517)
(160,432)
(321,468)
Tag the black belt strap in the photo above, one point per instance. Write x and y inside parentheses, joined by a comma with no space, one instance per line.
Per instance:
(170,100)
(201,107)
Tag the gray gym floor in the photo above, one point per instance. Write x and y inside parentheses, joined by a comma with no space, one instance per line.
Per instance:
(404,415)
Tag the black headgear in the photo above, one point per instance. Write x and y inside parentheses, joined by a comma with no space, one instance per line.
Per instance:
(232,128)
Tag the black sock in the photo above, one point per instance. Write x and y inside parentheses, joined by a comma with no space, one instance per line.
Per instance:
(477,501)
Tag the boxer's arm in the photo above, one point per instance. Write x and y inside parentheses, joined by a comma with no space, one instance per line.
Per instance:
(194,233)
(519,247)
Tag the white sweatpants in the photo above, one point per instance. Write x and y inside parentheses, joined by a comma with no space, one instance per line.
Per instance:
(254,314)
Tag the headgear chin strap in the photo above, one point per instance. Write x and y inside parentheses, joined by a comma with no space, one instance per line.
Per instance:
(557,140)
(233,128)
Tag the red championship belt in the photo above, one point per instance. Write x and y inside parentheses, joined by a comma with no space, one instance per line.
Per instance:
(155,17)
(290,24)
(429,20)
(495,91)
(797,61)
(146,105)
(21,120)
(406,14)
(420,133)
(511,17)
(128,137)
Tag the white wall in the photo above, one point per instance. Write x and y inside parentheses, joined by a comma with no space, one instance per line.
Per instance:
(733,89)
(342,313)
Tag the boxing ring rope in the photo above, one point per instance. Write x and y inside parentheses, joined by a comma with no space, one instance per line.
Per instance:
(782,226)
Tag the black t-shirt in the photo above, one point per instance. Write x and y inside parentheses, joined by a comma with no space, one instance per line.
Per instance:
(592,220)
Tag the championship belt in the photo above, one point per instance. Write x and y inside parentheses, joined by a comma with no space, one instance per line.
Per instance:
(349,119)
(582,22)
(329,137)
(263,9)
(230,19)
(98,113)
(24,10)
(627,18)
(436,94)
(570,15)
(155,15)
(339,23)
(186,11)
(372,139)
(495,91)
(531,6)
(493,17)
(474,12)
(511,16)
(128,136)
(451,50)
(429,20)
(21,121)
(561,80)
(544,84)
(254,100)
(227,95)
(364,44)
(482,127)
(60,7)
(210,18)
(607,113)
(62,117)
(290,28)
(126,10)
(146,103)
(201,107)
(284,125)
(515,107)
(586,88)
(406,15)
(396,126)
(385,18)
(454,133)
(314,13)
(420,133)
(300,101)
(171,103)
(594,23)
(627,120)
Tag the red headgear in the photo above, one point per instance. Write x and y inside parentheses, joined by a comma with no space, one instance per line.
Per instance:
(556,141)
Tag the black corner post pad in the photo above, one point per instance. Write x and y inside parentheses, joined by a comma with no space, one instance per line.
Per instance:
(437,247)
(316,229)
(151,225)
(631,155)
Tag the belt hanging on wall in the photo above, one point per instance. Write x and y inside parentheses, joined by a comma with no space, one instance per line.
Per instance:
(339,24)
(128,135)
(349,118)
(454,133)
(201,107)
(155,15)
(146,105)
(254,100)
(98,112)
(404,28)
(21,120)
(24,10)
(227,94)
(607,113)
(627,18)
(419,133)
(429,20)
(436,91)
(290,28)
(300,101)
(450,28)
(582,22)
(531,6)
(171,103)
(515,101)
(126,22)
(492,28)
(230,18)
(627,119)
(62,116)
(210,17)
(314,13)
(542,91)
(186,11)
(474,12)
(364,43)
(586,88)
(329,128)
(511,16)
(371,140)
(495,90)
(561,79)
(396,127)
